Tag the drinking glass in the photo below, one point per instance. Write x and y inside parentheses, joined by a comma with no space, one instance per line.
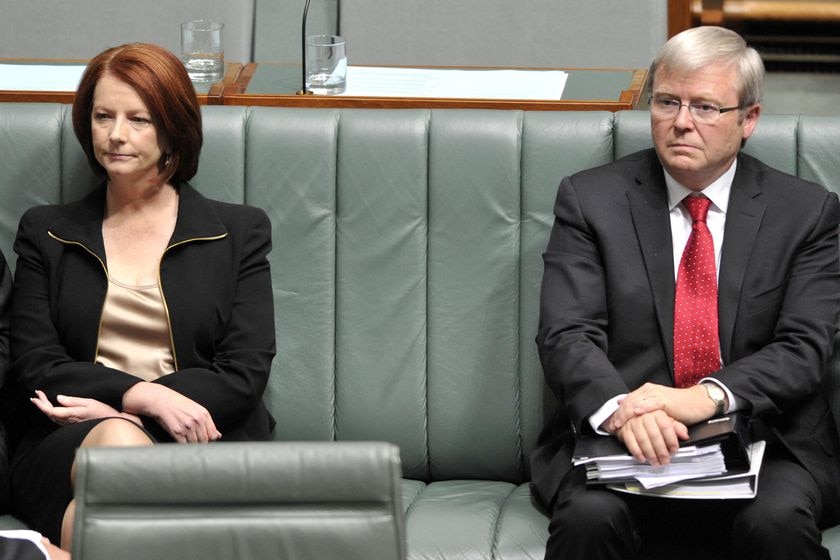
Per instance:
(326,64)
(202,51)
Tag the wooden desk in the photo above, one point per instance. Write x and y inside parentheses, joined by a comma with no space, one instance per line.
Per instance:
(276,84)
(208,94)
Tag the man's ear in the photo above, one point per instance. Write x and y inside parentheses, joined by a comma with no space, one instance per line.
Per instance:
(750,120)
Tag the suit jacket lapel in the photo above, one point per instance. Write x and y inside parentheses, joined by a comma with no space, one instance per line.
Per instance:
(743,218)
(649,209)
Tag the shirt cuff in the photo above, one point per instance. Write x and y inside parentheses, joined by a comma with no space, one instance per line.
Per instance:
(603,413)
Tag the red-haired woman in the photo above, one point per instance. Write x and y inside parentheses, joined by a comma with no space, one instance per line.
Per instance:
(142,312)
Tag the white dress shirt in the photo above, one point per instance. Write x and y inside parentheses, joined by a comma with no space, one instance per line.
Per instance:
(718,193)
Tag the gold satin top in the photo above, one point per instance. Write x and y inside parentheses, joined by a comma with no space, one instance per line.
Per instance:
(134,335)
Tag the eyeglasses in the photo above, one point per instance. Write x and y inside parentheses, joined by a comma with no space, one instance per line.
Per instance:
(704,113)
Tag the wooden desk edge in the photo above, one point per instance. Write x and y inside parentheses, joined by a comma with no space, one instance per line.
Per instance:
(212,97)
(215,96)
(231,91)
(343,102)
(234,94)
(243,79)
(636,92)
(18,96)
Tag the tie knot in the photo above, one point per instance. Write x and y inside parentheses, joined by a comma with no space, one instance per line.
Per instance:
(697,206)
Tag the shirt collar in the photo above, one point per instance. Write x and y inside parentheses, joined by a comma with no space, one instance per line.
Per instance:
(718,191)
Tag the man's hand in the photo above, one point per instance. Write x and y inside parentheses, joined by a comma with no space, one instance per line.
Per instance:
(77,409)
(184,419)
(688,406)
(652,437)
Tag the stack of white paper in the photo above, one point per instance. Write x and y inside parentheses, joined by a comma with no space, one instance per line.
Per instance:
(742,485)
(689,462)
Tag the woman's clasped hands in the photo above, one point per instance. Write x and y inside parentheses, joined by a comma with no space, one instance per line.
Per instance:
(183,418)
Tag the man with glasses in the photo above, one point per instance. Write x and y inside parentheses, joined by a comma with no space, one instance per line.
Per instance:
(682,283)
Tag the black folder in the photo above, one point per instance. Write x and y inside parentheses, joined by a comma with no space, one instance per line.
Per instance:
(732,431)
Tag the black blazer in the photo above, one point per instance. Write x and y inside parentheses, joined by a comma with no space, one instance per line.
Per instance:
(607,305)
(217,289)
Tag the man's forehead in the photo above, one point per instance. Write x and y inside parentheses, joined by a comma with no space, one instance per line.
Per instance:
(713,76)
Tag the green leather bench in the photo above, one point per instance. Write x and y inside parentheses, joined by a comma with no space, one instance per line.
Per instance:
(406,269)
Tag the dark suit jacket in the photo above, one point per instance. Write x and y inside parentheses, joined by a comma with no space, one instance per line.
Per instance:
(217,289)
(13,548)
(607,305)
(5,300)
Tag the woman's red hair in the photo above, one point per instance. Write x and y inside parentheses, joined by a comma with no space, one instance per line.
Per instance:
(161,81)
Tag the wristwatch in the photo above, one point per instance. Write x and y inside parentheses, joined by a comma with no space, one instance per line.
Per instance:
(717,395)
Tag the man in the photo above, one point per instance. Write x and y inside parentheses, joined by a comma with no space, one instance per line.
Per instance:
(758,287)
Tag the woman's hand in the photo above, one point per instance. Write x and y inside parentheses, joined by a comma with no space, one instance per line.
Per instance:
(77,409)
(184,419)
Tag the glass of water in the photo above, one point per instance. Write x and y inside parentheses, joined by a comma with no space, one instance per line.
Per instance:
(202,50)
(326,64)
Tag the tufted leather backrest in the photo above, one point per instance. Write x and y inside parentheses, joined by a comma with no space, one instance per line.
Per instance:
(407,255)
(407,264)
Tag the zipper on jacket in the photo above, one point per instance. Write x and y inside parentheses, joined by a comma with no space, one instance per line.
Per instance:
(160,285)
(163,296)
(104,269)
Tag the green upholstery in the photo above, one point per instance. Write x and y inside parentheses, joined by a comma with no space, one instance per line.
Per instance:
(291,505)
(406,268)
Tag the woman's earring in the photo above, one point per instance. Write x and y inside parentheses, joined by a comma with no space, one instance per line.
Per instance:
(167,160)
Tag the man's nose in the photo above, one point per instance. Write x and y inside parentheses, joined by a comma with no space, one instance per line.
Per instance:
(684,118)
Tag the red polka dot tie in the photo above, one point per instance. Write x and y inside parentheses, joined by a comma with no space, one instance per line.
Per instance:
(696,345)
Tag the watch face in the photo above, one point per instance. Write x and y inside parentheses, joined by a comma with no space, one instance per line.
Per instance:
(718,397)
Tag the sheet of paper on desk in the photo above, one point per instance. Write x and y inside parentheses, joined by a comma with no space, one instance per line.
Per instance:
(369,81)
(40,77)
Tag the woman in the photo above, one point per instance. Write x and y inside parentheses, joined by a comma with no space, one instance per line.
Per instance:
(142,312)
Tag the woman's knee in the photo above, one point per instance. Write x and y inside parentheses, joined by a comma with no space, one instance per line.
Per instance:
(114,432)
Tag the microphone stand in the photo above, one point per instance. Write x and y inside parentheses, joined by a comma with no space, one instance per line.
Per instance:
(303,90)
